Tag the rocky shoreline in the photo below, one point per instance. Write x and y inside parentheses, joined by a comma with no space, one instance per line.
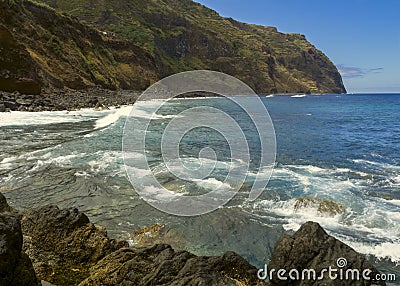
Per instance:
(52,246)
(62,99)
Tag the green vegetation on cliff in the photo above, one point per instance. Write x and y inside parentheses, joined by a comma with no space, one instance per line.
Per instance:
(171,36)
(39,48)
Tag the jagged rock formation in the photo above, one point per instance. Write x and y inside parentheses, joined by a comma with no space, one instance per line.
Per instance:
(66,249)
(161,265)
(152,39)
(72,244)
(312,248)
(4,207)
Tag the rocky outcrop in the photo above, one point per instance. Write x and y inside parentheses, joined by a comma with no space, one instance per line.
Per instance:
(224,229)
(15,266)
(312,248)
(66,249)
(74,250)
(161,265)
(4,207)
(63,244)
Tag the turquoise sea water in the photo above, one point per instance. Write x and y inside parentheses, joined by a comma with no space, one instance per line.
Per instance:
(341,148)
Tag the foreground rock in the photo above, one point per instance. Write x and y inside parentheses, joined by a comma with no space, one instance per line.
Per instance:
(66,249)
(161,265)
(15,266)
(223,230)
(4,207)
(312,248)
(63,244)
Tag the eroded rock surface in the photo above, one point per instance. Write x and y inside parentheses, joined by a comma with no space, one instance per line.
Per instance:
(15,266)
(63,244)
(312,248)
(161,265)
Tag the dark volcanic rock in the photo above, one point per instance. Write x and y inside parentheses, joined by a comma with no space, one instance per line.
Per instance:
(66,249)
(312,248)
(161,265)
(63,244)
(15,266)
(65,99)
(4,207)
(217,232)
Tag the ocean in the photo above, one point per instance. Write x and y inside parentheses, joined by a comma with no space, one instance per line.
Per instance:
(338,163)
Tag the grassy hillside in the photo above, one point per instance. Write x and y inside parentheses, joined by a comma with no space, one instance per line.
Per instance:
(154,38)
(43,48)
(184,35)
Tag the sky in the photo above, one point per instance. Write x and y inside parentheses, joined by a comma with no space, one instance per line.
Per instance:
(361,37)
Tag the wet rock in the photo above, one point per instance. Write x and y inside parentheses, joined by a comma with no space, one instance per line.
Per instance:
(323,206)
(158,234)
(161,265)
(4,207)
(312,248)
(63,244)
(224,230)
(15,266)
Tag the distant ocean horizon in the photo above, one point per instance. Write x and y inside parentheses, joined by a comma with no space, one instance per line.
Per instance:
(343,149)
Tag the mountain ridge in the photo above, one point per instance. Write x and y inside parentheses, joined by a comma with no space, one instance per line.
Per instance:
(166,37)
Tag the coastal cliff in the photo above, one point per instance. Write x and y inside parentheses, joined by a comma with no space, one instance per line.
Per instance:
(131,44)
(41,48)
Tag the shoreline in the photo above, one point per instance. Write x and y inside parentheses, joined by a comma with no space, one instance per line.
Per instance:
(97,98)
(67,100)
(75,100)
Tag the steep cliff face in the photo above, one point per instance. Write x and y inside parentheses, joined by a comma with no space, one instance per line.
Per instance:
(153,39)
(41,48)
(185,35)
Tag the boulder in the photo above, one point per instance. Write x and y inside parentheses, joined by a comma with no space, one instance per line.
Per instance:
(15,266)
(11,105)
(63,244)
(312,248)
(326,207)
(161,265)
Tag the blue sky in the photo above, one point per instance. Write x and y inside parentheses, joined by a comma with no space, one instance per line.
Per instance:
(361,37)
